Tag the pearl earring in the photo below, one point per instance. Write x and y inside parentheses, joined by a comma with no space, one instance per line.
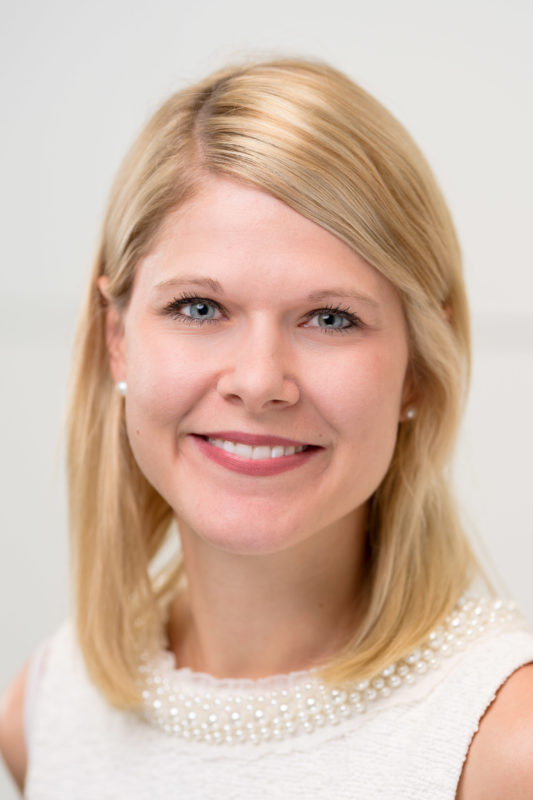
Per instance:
(410,413)
(122,387)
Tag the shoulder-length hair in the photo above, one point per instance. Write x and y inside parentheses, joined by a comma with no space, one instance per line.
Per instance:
(307,135)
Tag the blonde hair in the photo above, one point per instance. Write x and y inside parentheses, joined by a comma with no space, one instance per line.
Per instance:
(306,134)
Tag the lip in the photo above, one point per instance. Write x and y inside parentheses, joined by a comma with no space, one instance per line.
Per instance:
(256,467)
(255,439)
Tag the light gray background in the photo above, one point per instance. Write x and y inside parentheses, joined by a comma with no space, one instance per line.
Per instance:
(78,80)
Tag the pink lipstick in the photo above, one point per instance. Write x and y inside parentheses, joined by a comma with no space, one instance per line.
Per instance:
(252,454)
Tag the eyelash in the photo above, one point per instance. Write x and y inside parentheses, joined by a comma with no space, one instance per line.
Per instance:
(173,310)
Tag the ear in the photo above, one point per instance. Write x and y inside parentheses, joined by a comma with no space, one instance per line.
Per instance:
(114,328)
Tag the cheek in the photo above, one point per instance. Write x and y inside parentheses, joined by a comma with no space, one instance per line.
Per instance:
(362,393)
(363,407)
(164,381)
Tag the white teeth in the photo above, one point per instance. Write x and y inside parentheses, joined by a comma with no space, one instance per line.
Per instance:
(277,452)
(244,450)
(262,452)
(256,453)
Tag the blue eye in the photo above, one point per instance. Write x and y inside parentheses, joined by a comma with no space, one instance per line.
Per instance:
(327,319)
(200,310)
(193,309)
(334,320)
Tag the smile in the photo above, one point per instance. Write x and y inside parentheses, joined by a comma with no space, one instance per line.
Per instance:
(257,458)
(256,453)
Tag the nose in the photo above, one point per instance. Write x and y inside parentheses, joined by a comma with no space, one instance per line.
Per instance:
(259,374)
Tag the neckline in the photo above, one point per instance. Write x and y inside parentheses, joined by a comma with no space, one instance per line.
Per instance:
(166,662)
(199,707)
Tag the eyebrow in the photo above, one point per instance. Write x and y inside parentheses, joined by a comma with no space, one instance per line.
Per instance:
(349,294)
(216,286)
(209,283)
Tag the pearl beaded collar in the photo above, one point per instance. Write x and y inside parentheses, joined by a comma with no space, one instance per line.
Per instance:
(199,707)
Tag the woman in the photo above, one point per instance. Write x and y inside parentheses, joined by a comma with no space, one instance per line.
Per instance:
(274,354)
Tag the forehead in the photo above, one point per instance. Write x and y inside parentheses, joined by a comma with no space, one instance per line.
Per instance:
(243,237)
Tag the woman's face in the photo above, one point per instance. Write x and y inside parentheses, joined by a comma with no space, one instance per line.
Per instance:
(251,330)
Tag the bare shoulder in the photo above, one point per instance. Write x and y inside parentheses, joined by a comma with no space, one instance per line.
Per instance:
(500,759)
(12,739)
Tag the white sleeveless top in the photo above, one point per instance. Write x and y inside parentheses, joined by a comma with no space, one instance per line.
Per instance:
(403,736)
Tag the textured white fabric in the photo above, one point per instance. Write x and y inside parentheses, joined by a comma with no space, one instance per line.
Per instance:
(411,746)
(32,687)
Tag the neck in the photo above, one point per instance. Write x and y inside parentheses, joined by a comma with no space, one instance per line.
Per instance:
(250,616)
